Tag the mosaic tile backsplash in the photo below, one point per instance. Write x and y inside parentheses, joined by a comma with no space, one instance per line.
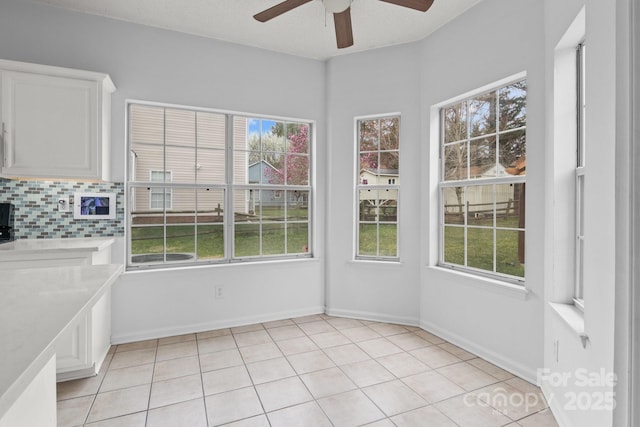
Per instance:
(37,215)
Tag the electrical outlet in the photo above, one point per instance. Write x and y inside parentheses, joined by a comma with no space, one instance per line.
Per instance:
(63,204)
(219,290)
(556,350)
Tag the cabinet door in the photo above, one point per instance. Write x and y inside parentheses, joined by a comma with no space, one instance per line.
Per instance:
(72,347)
(51,126)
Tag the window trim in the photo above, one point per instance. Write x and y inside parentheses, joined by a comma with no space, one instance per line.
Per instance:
(580,177)
(469,182)
(227,187)
(358,185)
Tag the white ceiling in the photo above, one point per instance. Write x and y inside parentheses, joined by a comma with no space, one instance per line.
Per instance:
(306,31)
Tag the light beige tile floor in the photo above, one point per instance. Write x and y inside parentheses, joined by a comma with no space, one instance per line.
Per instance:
(310,371)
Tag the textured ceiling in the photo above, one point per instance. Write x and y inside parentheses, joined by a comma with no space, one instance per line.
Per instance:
(306,31)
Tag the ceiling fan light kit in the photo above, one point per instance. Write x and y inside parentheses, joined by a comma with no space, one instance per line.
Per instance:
(336,6)
(341,10)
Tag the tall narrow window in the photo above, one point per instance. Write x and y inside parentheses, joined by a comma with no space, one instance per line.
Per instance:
(580,173)
(378,187)
(482,183)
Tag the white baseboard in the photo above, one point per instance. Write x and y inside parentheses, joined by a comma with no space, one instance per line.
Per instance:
(554,405)
(210,326)
(499,360)
(377,317)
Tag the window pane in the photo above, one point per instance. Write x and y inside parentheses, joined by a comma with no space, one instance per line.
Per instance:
(368,239)
(368,205)
(510,205)
(298,205)
(454,206)
(210,166)
(297,169)
(389,165)
(389,133)
(247,223)
(455,123)
(246,239)
(297,238)
(180,243)
(480,248)
(180,128)
(146,125)
(158,198)
(479,199)
(388,202)
(210,129)
(482,157)
(510,252)
(482,114)
(369,168)
(272,204)
(147,240)
(246,167)
(146,158)
(210,241)
(388,240)
(271,168)
(513,106)
(297,138)
(454,245)
(513,152)
(369,135)
(181,161)
(455,161)
(210,229)
(273,239)
(180,220)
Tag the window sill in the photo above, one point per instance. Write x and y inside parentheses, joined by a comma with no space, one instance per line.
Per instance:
(375,262)
(252,263)
(573,317)
(491,285)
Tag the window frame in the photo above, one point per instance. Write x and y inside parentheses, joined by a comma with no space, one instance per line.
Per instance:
(476,182)
(229,188)
(580,175)
(362,184)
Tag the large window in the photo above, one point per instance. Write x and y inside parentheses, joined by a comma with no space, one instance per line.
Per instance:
(378,187)
(482,183)
(580,173)
(208,187)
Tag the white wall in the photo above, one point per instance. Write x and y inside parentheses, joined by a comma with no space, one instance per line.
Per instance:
(374,82)
(492,41)
(157,65)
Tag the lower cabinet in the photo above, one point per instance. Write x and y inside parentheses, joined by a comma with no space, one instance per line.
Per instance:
(83,347)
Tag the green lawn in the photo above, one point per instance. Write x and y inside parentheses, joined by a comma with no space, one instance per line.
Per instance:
(480,254)
(180,239)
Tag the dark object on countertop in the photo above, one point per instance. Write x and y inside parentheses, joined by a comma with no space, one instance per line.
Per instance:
(7,222)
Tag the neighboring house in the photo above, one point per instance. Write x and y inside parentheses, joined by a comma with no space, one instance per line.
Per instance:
(481,200)
(264,172)
(184,164)
(381,177)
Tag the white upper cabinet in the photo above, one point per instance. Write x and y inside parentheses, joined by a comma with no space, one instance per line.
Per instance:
(55,122)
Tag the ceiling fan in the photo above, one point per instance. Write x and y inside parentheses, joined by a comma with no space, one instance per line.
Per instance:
(341,10)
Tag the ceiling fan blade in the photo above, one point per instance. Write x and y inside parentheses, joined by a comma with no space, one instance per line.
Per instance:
(421,5)
(279,9)
(344,32)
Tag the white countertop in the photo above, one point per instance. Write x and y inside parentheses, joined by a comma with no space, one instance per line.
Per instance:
(36,245)
(36,305)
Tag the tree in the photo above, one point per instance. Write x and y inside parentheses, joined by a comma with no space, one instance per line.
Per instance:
(296,159)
